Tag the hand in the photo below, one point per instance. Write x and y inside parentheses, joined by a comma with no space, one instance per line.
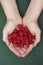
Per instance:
(30,20)
(8,29)
(34,28)
(11,12)
(13,17)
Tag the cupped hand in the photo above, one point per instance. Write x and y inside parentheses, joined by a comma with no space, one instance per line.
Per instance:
(34,28)
(8,29)
(11,13)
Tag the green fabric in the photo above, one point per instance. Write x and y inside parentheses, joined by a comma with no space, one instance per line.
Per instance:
(6,56)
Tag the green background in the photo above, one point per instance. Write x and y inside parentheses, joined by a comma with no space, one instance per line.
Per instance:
(6,56)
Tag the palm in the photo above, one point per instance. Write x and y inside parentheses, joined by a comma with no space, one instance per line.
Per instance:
(8,29)
(33,27)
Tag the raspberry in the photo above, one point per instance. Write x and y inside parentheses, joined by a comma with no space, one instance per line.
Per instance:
(20,26)
(21,36)
(27,43)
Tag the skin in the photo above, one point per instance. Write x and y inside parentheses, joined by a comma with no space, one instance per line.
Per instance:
(30,20)
(13,19)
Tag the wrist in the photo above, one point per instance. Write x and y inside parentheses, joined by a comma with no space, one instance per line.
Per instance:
(29,20)
(15,20)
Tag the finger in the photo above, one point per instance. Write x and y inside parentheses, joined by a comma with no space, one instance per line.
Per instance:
(14,50)
(24,49)
(20,50)
(9,45)
(28,50)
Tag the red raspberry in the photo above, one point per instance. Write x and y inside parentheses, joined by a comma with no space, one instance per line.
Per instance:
(27,43)
(21,36)
(20,26)
(17,45)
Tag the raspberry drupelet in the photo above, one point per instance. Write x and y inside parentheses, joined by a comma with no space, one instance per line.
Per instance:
(21,36)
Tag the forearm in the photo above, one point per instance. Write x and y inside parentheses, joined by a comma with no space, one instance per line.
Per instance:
(10,8)
(34,10)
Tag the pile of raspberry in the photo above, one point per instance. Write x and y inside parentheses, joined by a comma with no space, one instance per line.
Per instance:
(21,36)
